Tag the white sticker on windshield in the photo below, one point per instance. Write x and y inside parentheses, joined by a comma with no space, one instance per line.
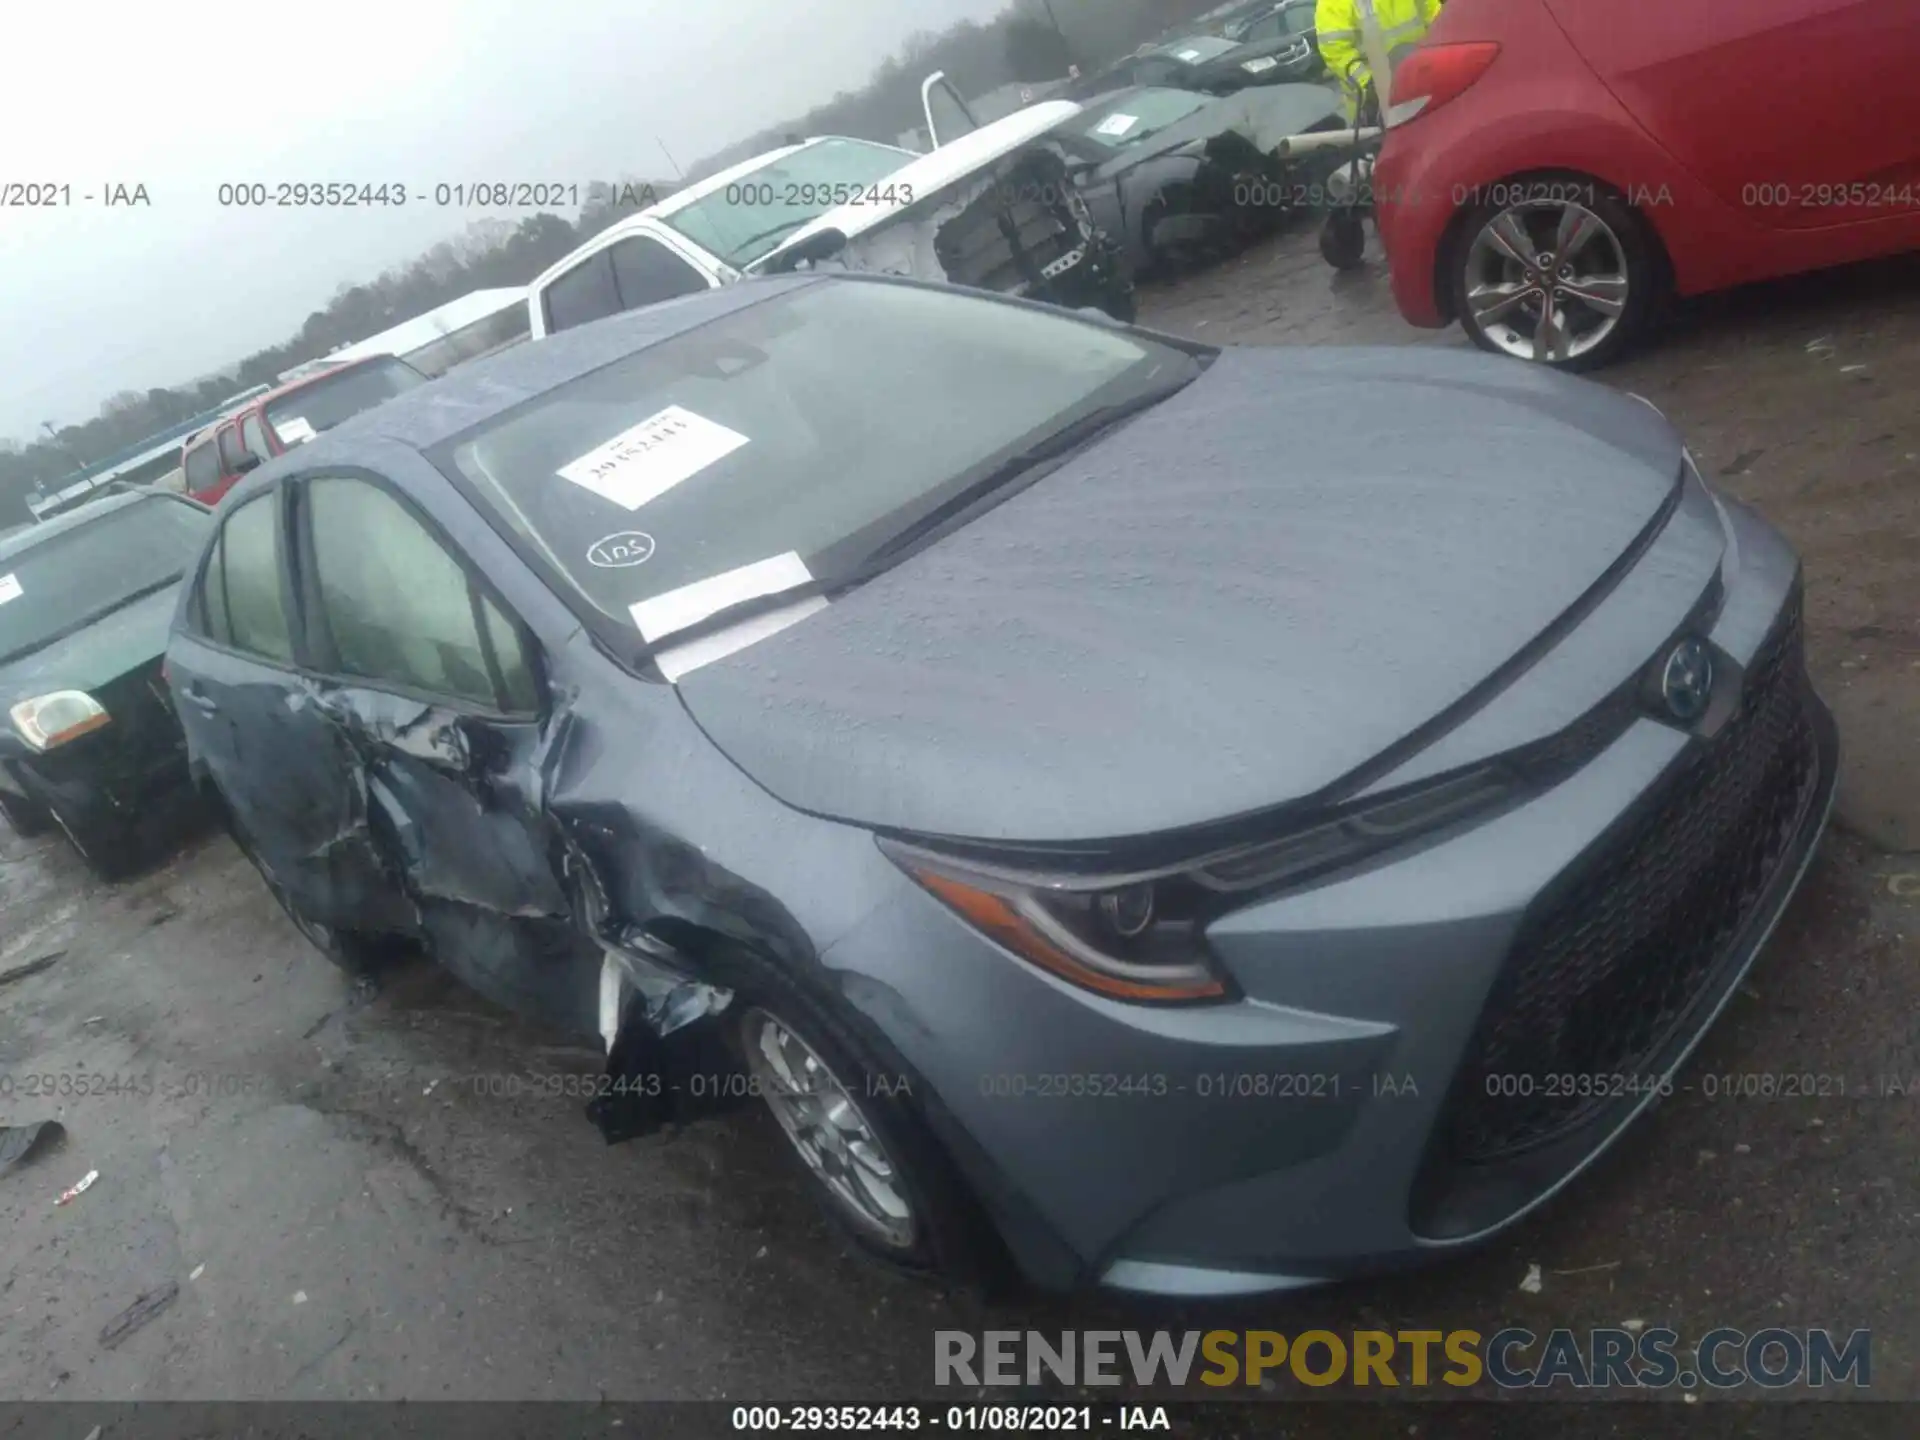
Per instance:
(9,588)
(1259,63)
(647,460)
(1187,54)
(1116,124)
(294,430)
(662,615)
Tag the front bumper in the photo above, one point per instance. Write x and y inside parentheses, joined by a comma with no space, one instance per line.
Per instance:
(1427,1050)
(114,776)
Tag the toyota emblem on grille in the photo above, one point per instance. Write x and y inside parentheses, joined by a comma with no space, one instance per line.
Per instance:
(1686,683)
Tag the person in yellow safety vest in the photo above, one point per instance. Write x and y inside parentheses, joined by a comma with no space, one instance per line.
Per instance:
(1402,24)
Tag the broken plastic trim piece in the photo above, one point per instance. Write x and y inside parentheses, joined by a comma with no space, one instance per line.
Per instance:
(666,1057)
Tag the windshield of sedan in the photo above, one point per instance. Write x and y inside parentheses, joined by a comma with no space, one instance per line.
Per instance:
(88,569)
(1136,116)
(810,429)
(743,220)
(326,403)
(1200,49)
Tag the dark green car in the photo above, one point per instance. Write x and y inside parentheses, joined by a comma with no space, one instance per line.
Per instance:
(89,741)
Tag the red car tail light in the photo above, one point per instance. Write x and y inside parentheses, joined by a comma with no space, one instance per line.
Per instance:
(1434,74)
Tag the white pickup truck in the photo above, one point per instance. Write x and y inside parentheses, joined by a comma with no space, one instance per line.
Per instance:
(993,208)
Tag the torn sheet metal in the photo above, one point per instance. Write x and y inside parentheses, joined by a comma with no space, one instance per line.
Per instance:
(451,846)
(905,247)
(651,1071)
(1040,240)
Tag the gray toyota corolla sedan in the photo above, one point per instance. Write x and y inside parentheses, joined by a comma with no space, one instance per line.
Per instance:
(1106,830)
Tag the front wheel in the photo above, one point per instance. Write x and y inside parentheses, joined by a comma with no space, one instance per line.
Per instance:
(358,954)
(854,1126)
(1343,239)
(1560,271)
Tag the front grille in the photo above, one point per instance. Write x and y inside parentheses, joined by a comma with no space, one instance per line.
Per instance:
(1601,979)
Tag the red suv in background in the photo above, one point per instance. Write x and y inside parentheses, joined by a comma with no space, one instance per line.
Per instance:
(273,423)
(1557,167)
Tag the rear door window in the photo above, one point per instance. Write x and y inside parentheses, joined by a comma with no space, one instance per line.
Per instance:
(232,454)
(241,595)
(254,436)
(647,272)
(202,466)
(585,293)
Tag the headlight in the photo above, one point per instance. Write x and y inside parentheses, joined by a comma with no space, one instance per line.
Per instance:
(1139,936)
(49,720)
(1133,937)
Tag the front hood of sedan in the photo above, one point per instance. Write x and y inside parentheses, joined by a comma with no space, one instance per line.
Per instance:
(1230,603)
(124,640)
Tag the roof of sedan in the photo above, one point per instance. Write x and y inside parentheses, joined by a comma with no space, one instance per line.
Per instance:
(475,393)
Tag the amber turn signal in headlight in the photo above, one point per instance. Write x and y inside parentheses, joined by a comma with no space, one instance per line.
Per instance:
(1119,939)
(49,720)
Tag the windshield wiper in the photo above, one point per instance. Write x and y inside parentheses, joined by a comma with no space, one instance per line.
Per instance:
(783,228)
(1027,465)
(1024,466)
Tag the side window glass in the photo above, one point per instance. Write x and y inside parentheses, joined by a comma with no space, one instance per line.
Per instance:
(519,693)
(202,467)
(249,582)
(584,293)
(399,607)
(647,272)
(211,609)
(254,436)
(230,452)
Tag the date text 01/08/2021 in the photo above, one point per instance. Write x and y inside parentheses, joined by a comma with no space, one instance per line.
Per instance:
(460,195)
(1016,1419)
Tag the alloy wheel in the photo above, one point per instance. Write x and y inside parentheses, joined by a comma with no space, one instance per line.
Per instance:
(829,1130)
(1547,280)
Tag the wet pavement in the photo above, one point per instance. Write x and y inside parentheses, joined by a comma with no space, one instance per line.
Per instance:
(396,1196)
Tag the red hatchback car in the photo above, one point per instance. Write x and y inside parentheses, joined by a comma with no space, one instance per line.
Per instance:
(273,423)
(1558,167)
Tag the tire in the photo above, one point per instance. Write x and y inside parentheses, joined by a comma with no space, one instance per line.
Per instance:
(358,954)
(1615,260)
(1343,239)
(949,1236)
(27,817)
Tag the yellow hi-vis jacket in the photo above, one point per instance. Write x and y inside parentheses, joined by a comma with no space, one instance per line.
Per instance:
(1402,23)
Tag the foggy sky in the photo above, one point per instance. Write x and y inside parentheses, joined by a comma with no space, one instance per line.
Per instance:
(181,97)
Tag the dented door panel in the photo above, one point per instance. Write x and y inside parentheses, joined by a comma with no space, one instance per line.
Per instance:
(453,809)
